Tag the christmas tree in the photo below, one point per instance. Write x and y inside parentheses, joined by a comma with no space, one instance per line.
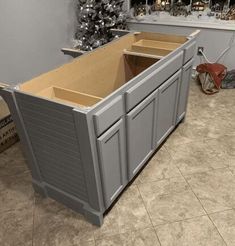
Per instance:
(96,18)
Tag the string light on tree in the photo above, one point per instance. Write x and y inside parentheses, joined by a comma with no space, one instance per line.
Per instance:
(96,18)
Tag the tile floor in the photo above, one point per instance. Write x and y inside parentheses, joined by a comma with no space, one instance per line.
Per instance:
(184,197)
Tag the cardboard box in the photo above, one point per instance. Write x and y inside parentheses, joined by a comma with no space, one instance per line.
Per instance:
(8,134)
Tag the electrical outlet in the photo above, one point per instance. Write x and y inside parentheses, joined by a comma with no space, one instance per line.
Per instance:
(200,49)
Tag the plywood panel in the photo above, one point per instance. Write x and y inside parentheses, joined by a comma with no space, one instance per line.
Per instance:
(69,96)
(161,37)
(97,73)
(156,44)
(101,71)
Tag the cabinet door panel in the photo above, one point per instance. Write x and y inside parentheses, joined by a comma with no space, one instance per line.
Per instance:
(112,157)
(167,104)
(140,133)
(184,90)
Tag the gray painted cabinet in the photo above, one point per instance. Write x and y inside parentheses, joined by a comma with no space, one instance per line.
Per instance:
(112,156)
(184,90)
(141,123)
(89,127)
(167,107)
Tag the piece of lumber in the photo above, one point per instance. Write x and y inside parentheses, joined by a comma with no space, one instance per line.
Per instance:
(133,53)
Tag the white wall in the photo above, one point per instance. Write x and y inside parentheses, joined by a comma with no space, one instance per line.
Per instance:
(32,32)
(213,40)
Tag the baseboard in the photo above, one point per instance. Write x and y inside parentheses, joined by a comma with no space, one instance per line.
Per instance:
(47,190)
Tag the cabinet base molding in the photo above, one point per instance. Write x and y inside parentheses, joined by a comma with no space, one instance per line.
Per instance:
(77,205)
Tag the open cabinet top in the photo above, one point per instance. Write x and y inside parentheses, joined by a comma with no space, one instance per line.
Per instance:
(93,76)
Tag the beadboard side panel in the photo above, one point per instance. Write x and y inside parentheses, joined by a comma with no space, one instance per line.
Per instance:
(52,133)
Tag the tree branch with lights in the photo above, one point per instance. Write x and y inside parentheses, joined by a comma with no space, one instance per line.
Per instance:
(96,18)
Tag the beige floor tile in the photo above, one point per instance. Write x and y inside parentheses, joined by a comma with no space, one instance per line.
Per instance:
(87,243)
(159,167)
(199,156)
(198,128)
(55,225)
(15,192)
(228,144)
(128,214)
(16,227)
(225,223)
(207,109)
(193,232)
(172,207)
(110,226)
(207,117)
(12,161)
(145,237)
(215,189)
(200,120)
(163,187)
(177,138)
(208,105)
(193,129)
(232,169)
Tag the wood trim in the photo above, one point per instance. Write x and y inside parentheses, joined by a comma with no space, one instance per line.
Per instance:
(162,37)
(61,94)
(195,34)
(170,46)
(134,53)
(73,50)
(3,85)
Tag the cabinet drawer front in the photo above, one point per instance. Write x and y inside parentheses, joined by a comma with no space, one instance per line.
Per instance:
(189,52)
(112,158)
(167,105)
(138,92)
(141,133)
(108,115)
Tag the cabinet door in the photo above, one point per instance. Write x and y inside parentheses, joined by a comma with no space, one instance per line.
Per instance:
(112,158)
(140,133)
(167,105)
(184,90)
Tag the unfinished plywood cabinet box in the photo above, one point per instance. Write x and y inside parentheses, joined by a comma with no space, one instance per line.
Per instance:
(89,126)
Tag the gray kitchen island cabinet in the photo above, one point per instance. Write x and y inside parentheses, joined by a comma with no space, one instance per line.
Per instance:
(88,127)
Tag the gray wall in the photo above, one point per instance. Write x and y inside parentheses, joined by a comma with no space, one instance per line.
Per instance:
(32,32)
(213,40)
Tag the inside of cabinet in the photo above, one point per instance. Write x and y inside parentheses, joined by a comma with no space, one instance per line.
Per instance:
(152,48)
(65,95)
(88,79)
